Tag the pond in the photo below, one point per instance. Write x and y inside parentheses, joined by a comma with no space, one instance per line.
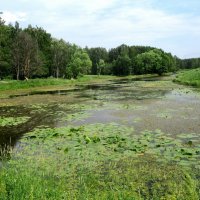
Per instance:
(153,105)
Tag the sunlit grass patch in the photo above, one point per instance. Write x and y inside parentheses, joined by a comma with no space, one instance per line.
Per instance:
(190,77)
(31,83)
(125,178)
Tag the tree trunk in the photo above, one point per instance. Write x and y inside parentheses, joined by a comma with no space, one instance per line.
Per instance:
(17,71)
(57,72)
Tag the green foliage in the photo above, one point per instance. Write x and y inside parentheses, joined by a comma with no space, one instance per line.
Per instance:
(97,54)
(43,56)
(148,61)
(80,64)
(60,57)
(122,50)
(43,40)
(24,54)
(191,77)
(190,63)
(154,61)
(5,49)
(143,60)
(122,66)
(101,67)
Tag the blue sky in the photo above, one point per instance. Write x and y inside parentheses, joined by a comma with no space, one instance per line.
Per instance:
(173,25)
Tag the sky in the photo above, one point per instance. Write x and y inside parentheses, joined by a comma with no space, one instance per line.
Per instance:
(173,25)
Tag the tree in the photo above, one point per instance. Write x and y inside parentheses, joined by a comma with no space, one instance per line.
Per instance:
(96,54)
(24,55)
(5,49)
(122,66)
(80,64)
(31,52)
(169,62)
(148,62)
(44,49)
(190,63)
(155,61)
(60,58)
(100,66)
(114,53)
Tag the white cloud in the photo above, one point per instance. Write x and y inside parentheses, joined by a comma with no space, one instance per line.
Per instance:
(11,17)
(111,22)
(139,24)
(87,6)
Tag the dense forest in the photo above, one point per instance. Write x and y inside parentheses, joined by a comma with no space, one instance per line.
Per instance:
(33,53)
(191,63)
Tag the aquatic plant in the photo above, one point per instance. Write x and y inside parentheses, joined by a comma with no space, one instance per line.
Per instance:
(12,121)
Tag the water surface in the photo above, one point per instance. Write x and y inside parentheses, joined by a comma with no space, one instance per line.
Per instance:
(144,104)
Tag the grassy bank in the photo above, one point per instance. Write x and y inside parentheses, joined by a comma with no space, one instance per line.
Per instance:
(32,83)
(190,77)
(6,85)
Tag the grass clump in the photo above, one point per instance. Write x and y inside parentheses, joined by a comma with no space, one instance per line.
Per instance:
(141,178)
(126,178)
(190,77)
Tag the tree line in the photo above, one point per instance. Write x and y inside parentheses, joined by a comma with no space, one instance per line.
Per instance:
(190,63)
(33,53)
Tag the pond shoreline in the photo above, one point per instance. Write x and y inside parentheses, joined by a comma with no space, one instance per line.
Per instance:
(77,142)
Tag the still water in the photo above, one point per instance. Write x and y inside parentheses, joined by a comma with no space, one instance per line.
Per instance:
(144,104)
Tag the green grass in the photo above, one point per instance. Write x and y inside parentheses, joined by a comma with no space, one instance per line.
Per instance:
(126,178)
(14,84)
(189,77)
(100,162)
(31,83)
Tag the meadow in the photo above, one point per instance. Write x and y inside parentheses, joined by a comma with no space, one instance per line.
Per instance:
(189,77)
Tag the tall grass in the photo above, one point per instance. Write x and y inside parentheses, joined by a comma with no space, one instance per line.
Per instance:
(14,84)
(190,77)
(128,178)
(31,83)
